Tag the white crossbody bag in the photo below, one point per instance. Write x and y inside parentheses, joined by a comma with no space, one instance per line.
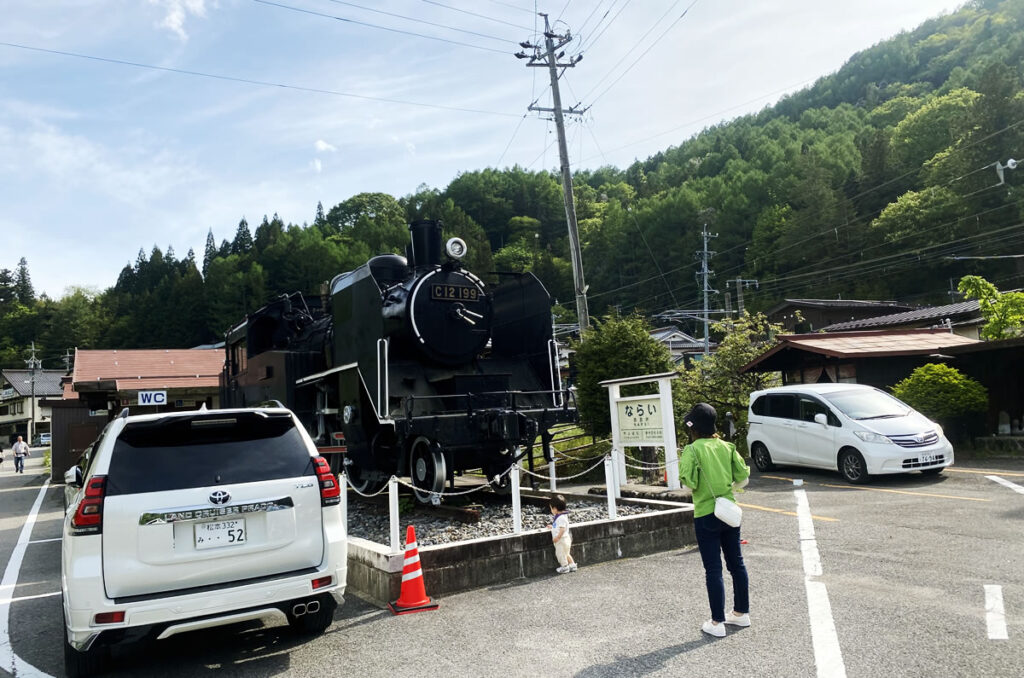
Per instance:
(725,510)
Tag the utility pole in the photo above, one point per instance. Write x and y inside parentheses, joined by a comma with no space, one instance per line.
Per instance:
(33,365)
(546,57)
(67,360)
(704,274)
(740,284)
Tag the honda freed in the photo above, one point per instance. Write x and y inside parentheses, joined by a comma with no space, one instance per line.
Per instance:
(856,429)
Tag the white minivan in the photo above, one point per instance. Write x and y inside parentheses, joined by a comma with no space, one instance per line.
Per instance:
(856,429)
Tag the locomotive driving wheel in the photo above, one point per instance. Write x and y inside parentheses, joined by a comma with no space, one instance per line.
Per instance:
(427,470)
(363,481)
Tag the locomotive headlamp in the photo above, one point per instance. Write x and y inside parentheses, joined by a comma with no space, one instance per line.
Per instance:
(456,248)
(347,414)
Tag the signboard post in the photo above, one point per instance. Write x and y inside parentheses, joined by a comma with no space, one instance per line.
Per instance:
(643,421)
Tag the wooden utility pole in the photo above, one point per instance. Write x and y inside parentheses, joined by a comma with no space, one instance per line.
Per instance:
(547,57)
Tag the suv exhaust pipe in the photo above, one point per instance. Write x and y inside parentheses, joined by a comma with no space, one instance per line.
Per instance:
(299,609)
(312,607)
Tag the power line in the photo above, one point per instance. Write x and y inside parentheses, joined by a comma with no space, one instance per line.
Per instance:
(649,48)
(508,4)
(382,28)
(509,144)
(588,45)
(481,16)
(248,81)
(420,21)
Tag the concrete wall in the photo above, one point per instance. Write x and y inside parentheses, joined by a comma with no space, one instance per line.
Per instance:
(375,575)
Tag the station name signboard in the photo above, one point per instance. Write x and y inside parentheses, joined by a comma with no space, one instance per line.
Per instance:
(640,421)
(152,397)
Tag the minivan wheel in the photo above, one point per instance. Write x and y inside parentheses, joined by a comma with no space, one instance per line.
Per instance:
(853,468)
(83,664)
(762,459)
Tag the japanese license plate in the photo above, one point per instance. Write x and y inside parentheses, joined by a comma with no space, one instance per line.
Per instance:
(220,533)
(927,458)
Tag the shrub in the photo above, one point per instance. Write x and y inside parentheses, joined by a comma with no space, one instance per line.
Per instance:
(943,394)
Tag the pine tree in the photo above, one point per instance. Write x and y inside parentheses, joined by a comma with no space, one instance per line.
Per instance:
(242,243)
(210,253)
(320,221)
(23,284)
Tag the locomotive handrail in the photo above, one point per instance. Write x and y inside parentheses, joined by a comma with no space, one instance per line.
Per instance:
(509,396)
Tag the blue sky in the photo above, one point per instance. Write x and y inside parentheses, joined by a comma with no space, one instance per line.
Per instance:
(99,159)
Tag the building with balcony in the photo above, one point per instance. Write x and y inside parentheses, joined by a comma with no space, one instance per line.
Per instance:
(23,411)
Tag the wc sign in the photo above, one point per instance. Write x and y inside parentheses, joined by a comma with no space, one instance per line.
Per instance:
(151,398)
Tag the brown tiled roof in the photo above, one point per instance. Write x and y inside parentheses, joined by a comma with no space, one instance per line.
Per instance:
(866,344)
(139,369)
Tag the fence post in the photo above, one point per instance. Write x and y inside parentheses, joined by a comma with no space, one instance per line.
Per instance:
(517,514)
(343,484)
(609,480)
(551,473)
(393,510)
(618,471)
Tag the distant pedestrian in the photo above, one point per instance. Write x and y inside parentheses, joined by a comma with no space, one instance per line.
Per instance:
(20,452)
(561,536)
(712,467)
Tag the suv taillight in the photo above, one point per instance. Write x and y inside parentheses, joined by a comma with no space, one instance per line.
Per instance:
(330,491)
(88,518)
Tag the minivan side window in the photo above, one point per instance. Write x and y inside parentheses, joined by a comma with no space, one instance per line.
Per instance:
(782,406)
(809,407)
(760,406)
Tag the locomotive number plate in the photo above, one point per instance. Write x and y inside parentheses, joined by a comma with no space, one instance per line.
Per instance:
(454,293)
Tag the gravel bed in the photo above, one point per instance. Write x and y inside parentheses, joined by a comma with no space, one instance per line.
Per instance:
(372,522)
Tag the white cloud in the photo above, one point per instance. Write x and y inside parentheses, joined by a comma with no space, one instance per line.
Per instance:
(176,13)
(317,165)
(323,146)
(410,147)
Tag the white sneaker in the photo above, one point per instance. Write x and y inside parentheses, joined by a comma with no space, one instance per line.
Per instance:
(573,567)
(737,619)
(563,570)
(713,629)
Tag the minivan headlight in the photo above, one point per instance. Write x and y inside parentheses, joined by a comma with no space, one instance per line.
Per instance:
(872,437)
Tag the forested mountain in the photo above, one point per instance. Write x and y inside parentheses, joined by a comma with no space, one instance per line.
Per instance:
(864,185)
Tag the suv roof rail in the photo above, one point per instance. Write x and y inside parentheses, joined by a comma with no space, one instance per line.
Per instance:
(124,413)
(272,403)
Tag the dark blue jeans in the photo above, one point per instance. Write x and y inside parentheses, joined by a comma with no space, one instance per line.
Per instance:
(715,539)
(19,464)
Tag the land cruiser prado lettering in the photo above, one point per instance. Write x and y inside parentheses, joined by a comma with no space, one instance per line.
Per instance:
(188,520)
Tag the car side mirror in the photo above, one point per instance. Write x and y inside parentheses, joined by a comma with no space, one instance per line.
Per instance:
(821,419)
(73,476)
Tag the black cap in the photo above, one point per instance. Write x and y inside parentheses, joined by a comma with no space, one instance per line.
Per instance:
(701,418)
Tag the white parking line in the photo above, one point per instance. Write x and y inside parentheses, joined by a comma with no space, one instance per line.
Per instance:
(8,659)
(828,657)
(995,616)
(1003,481)
(38,595)
(44,541)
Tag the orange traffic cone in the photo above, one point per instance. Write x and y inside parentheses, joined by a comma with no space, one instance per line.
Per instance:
(413,597)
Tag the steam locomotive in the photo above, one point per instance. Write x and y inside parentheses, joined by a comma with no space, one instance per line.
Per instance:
(409,366)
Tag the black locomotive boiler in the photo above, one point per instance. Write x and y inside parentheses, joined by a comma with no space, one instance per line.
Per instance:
(409,366)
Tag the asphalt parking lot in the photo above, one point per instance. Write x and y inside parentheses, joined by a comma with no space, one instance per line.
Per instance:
(912,572)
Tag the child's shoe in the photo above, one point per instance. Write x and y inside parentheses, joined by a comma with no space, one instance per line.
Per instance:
(737,619)
(713,629)
(573,567)
(563,570)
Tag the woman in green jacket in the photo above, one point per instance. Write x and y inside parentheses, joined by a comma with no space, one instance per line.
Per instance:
(712,467)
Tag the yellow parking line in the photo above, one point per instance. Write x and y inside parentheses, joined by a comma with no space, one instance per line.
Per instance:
(917,494)
(789,480)
(786,513)
(985,472)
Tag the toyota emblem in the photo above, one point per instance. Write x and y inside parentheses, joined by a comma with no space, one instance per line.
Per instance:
(220,497)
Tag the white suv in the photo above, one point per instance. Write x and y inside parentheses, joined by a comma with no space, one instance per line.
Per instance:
(189,520)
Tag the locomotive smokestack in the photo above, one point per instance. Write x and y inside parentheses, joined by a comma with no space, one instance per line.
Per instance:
(426,243)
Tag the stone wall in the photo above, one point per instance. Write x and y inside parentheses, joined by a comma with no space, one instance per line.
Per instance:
(375,575)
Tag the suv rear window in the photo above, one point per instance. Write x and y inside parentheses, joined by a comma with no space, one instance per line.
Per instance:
(186,452)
